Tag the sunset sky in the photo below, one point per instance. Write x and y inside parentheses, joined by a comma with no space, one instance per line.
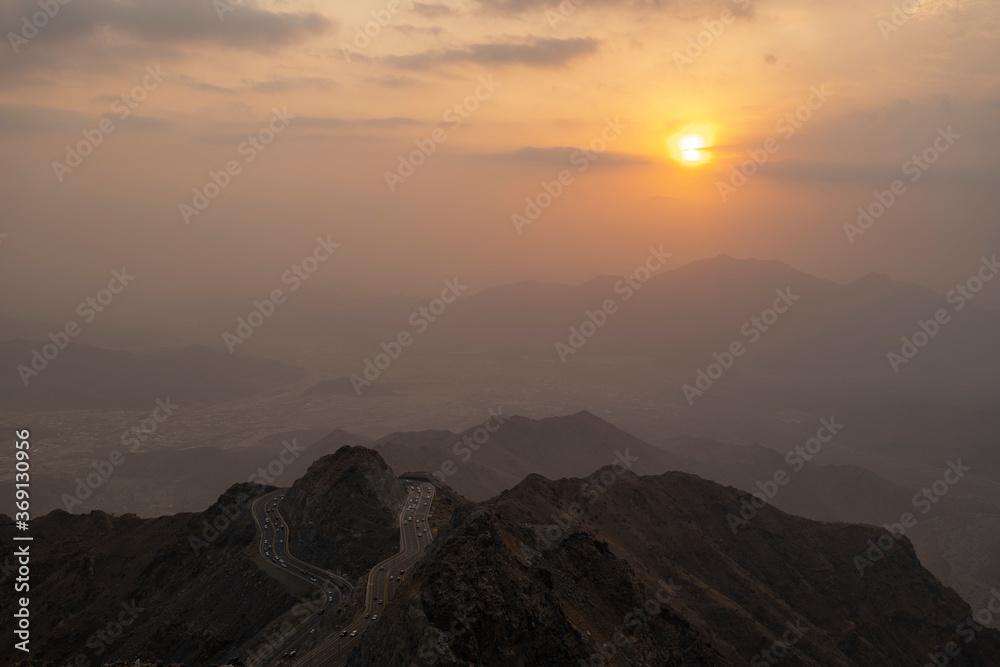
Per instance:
(884,85)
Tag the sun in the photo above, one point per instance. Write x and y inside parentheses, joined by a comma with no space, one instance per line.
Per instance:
(691,146)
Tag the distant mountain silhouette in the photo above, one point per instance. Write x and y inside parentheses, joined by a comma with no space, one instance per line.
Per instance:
(558,447)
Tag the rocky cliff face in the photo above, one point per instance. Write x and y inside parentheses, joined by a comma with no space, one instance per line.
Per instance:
(612,569)
(181,588)
(650,573)
(344,511)
(189,588)
(481,599)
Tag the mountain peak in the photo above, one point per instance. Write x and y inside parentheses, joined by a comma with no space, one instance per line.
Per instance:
(875,277)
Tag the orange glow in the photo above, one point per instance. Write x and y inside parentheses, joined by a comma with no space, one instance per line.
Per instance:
(691,146)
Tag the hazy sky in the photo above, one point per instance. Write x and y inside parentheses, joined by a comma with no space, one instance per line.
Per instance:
(885,84)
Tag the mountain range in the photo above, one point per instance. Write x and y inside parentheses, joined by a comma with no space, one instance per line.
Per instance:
(644,570)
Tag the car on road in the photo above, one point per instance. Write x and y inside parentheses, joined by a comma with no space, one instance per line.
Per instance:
(343,633)
(375,617)
(354,633)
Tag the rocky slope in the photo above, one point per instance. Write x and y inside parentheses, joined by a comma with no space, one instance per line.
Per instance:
(343,512)
(190,588)
(181,588)
(650,573)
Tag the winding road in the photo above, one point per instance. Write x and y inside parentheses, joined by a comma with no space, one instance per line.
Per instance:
(381,582)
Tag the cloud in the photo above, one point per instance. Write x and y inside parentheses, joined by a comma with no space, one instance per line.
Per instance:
(431,10)
(244,25)
(395,81)
(339,123)
(233,133)
(294,83)
(25,119)
(203,86)
(409,29)
(103,34)
(533,52)
(865,172)
(30,119)
(683,9)
(560,155)
(269,86)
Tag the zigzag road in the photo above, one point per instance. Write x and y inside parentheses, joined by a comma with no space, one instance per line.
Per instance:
(382,580)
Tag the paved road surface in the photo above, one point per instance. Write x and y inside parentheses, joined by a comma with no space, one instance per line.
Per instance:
(273,546)
(383,579)
(381,583)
